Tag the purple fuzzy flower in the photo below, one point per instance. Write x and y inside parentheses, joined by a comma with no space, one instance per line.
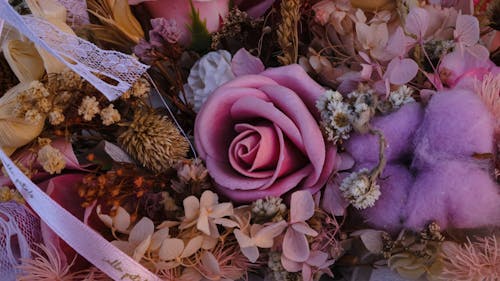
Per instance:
(398,128)
(456,125)
(454,194)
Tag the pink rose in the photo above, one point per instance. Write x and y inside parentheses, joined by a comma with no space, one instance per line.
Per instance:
(180,11)
(260,137)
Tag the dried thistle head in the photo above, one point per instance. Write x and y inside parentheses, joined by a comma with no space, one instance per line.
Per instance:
(154,141)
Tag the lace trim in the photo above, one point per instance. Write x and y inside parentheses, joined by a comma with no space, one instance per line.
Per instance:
(81,56)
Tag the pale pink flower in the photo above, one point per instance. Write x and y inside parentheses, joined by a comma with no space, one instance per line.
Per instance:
(119,222)
(139,239)
(317,261)
(207,213)
(295,243)
(173,250)
(259,236)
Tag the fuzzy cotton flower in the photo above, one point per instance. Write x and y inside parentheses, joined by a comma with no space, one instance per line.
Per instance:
(207,74)
(51,159)
(110,115)
(88,108)
(207,213)
(358,190)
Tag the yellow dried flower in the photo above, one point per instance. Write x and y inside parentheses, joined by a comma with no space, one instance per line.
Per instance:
(56,117)
(51,159)
(7,194)
(154,141)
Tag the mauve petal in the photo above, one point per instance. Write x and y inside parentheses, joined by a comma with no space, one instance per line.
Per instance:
(255,151)
(296,79)
(291,104)
(213,127)
(290,265)
(295,246)
(226,176)
(317,258)
(250,107)
(301,206)
(279,187)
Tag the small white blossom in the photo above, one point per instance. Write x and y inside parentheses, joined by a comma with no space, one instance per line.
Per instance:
(207,74)
(110,115)
(336,115)
(401,96)
(89,108)
(359,191)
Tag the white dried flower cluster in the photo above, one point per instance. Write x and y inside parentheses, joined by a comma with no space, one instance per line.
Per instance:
(364,103)
(401,96)
(336,115)
(268,207)
(359,190)
(207,74)
(109,115)
(88,108)
(51,159)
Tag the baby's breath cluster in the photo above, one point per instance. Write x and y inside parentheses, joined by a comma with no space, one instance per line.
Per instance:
(336,115)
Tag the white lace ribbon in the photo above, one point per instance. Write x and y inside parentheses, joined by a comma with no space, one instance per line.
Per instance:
(81,56)
(88,243)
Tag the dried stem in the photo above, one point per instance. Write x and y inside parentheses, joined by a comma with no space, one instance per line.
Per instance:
(288,36)
(382,160)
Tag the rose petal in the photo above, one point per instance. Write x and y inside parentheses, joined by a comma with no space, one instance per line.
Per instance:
(254,152)
(296,79)
(250,107)
(212,119)
(314,145)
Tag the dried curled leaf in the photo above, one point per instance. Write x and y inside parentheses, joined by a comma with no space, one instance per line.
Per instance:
(14,131)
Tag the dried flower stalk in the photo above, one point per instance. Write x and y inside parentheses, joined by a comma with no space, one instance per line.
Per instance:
(288,37)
